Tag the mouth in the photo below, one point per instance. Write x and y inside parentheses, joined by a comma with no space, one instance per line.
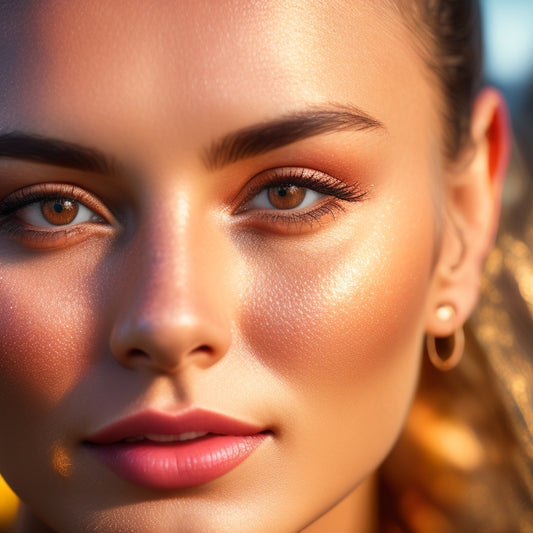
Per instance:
(163,451)
(154,437)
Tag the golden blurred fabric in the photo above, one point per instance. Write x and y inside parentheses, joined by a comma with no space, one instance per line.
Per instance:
(8,506)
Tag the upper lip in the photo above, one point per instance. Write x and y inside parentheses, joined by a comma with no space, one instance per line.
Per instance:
(156,422)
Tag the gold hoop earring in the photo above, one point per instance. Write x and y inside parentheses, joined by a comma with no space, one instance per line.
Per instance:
(451,347)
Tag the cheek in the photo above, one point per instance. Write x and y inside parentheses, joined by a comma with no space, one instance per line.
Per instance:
(340,324)
(47,321)
(344,312)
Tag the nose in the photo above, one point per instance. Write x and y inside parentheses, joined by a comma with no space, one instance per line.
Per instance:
(172,306)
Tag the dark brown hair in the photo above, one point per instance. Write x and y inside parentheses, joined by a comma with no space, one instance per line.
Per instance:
(449,40)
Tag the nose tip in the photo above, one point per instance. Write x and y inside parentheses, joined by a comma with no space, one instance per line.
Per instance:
(165,345)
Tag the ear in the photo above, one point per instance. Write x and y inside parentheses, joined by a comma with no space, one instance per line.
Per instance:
(472,190)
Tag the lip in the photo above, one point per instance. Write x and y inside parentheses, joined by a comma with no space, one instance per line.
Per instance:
(175,464)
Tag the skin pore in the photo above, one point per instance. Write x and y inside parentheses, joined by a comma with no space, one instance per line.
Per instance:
(180,131)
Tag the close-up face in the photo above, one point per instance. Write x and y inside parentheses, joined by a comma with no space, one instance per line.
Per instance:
(214,218)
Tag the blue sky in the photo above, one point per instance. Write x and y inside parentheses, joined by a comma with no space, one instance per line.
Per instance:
(508,40)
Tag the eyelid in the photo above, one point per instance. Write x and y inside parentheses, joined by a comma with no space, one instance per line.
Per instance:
(44,238)
(36,193)
(314,180)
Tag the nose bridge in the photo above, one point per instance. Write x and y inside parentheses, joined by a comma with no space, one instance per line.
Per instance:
(170,249)
(173,304)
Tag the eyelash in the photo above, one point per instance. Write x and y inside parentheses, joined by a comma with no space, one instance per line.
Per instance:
(335,192)
(48,237)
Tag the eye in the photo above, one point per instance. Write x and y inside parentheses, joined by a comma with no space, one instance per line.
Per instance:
(285,197)
(295,200)
(54,215)
(55,212)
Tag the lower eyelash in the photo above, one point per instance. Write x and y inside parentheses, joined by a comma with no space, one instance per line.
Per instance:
(45,239)
(18,232)
(307,218)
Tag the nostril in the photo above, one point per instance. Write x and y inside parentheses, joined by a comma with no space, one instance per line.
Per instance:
(138,353)
(204,348)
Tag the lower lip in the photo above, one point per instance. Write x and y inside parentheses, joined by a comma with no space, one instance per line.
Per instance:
(177,465)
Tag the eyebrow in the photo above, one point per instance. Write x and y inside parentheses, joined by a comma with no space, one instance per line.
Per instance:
(244,143)
(39,149)
(264,137)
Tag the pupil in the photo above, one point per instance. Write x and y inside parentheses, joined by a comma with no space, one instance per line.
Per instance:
(286,196)
(58,208)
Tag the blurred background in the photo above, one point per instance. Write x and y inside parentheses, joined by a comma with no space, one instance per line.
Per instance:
(508,26)
(509,45)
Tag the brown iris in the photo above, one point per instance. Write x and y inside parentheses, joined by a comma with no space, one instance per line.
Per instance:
(286,196)
(59,211)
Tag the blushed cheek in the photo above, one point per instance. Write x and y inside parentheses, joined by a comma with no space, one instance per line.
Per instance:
(46,324)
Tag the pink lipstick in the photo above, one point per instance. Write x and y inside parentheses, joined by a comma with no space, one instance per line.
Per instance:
(163,451)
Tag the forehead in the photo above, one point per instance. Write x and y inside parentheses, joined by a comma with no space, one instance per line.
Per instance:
(92,63)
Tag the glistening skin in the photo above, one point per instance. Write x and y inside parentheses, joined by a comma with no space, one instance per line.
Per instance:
(240,229)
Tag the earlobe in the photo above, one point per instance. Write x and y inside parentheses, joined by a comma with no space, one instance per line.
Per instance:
(446,313)
(472,194)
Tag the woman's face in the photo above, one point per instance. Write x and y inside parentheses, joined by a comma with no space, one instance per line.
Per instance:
(248,230)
